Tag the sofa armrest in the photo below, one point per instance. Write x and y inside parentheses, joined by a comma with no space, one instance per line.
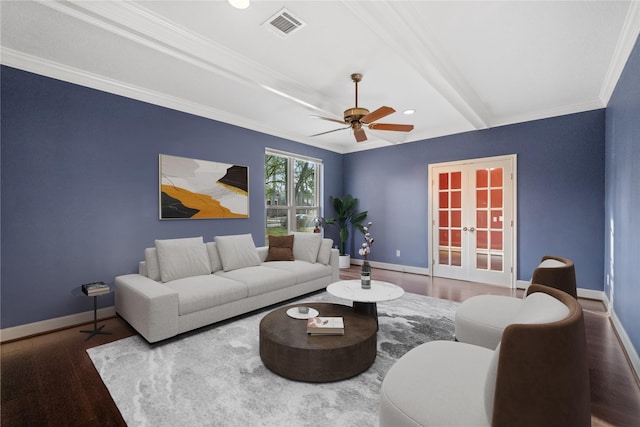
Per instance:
(150,307)
(142,268)
(333,262)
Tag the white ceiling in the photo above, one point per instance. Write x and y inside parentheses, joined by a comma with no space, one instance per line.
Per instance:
(461,65)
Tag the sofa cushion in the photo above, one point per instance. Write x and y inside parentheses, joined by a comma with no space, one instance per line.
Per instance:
(490,384)
(152,265)
(324,254)
(280,248)
(475,324)
(459,369)
(306,246)
(304,271)
(179,258)
(203,292)
(214,257)
(260,279)
(237,251)
(540,308)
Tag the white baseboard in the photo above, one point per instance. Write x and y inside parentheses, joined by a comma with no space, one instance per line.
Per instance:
(49,325)
(394,267)
(582,293)
(632,354)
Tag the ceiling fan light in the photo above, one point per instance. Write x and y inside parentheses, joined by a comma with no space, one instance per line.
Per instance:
(408,112)
(239,4)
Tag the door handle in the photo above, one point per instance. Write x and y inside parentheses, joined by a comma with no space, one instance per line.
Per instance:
(469,229)
(465,229)
(472,229)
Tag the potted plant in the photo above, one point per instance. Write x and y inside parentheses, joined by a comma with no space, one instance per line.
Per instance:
(347,217)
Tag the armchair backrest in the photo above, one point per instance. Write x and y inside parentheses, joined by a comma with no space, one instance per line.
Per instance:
(556,272)
(542,376)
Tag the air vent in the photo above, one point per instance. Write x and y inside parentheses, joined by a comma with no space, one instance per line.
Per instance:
(284,23)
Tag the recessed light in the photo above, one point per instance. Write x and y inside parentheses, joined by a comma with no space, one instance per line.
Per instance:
(239,4)
(408,112)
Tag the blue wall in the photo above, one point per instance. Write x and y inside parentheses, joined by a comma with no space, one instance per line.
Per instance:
(80,187)
(622,234)
(560,191)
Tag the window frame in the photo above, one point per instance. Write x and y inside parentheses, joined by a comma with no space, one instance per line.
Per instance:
(292,207)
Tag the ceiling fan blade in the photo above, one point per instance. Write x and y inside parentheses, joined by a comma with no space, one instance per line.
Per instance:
(328,119)
(377,114)
(360,135)
(329,131)
(391,126)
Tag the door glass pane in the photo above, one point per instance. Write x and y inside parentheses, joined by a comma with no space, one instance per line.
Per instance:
(456,219)
(496,177)
(456,180)
(481,219)
(456,199)
(496,262)
(482,198)
(481,240)
(456,238)
(444,199)
(443,181)
(443,218)
(496,240)
(496,198)
(496,219)
(443,258)
(456,258)
(482,180)
(482,261)
(444,238)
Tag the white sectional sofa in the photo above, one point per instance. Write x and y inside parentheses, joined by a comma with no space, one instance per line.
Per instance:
(184,284)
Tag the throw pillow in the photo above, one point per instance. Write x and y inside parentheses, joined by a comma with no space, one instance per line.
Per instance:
(280,248)
(324,254)
(179,258)
(306,246)
(237,251)
(214,257)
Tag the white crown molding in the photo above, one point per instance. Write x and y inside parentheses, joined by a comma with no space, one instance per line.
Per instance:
(49,325)
(22,61)
(627,40)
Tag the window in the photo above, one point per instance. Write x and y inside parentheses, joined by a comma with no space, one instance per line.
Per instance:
(292,192)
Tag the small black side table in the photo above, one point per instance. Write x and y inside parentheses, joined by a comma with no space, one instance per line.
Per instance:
(96,330)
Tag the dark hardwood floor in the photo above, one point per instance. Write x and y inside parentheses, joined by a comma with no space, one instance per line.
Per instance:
(49,380)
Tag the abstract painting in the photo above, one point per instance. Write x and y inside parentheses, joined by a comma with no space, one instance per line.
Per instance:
(201,189)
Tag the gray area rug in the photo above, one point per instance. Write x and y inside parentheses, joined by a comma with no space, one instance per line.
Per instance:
(214,376)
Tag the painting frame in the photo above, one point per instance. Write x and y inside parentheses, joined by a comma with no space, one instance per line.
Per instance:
(201,189)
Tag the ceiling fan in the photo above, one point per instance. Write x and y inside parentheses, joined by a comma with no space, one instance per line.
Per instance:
(357,118)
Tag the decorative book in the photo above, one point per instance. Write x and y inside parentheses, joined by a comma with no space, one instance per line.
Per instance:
(96,288)
(325,326)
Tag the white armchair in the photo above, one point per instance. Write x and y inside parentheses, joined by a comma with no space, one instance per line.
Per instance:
(537,376)
(480,320)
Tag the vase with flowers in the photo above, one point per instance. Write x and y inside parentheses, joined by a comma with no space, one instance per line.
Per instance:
(365,250)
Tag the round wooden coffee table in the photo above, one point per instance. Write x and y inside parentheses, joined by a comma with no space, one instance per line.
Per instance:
(287,349)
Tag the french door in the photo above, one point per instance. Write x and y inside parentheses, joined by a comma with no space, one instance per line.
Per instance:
(472,206)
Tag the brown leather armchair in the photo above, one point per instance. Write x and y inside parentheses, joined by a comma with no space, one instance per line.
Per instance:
(537,376)
(560,274)
(481,319)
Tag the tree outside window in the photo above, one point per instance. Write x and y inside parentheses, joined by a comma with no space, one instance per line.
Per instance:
(291,193)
